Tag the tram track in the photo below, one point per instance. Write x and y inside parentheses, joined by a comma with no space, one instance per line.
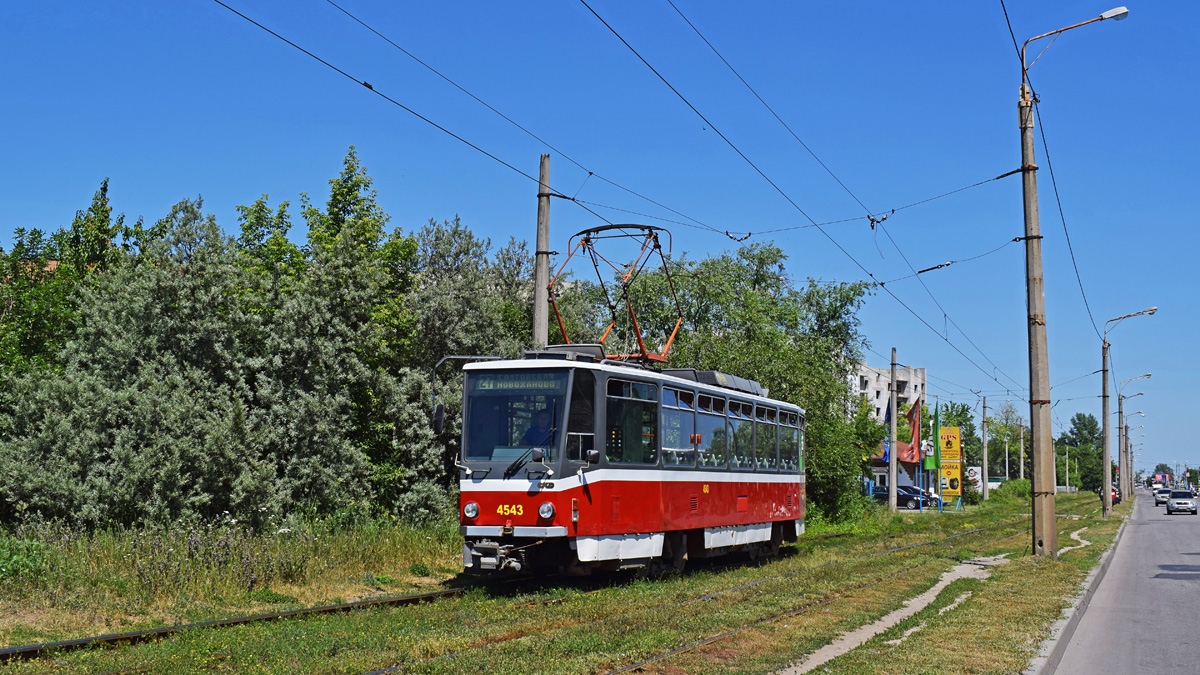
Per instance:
(37,651)
(710,596)
(29,652)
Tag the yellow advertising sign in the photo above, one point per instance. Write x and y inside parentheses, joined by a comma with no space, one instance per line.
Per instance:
(951,479)
(950,439)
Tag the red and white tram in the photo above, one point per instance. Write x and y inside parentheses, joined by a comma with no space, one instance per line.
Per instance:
(573,462)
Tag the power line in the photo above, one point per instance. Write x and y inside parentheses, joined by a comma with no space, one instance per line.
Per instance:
(699,114)
(400,105)
(1094,372)
(952,262)
(1062,216)
(772,111)
(694,222)
(873,219)
(1053,182)
(532,135)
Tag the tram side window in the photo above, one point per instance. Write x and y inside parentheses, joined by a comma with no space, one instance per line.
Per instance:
(765,454)
(581,419)
(800,424)
(631,434)
(678,428)
(741,435)
(789,443)
(710,431)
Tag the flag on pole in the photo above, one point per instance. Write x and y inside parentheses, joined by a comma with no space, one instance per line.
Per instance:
(910,452)
(914,422)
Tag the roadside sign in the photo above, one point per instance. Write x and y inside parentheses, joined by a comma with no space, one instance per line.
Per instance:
(950,445)
(951,479)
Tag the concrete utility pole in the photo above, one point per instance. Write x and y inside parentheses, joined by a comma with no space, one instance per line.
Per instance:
(1021,462)
(1121,435)
(1106,487)
(892,451)
(541,260)
(1126,482)
(985,454)
(1045,534)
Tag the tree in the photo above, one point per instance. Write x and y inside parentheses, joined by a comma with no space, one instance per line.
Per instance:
(1084,430)
(40,279)
(743,315)
(143,422)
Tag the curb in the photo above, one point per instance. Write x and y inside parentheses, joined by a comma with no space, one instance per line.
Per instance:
(1052,650)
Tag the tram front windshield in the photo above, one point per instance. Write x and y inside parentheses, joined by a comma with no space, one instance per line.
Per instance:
(509,412)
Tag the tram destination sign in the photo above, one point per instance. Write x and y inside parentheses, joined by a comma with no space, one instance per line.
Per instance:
(541,382)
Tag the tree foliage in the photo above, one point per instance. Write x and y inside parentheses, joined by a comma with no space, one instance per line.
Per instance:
(150,373)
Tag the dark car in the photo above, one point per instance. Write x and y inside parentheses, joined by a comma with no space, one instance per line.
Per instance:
(907,497)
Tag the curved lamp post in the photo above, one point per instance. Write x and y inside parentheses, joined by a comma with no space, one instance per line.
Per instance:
(1122,451)
(1104,369)
(1045,536)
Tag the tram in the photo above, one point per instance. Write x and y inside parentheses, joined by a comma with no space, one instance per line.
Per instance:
(574,462)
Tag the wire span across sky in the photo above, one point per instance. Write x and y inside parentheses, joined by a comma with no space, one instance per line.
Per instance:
(824,114)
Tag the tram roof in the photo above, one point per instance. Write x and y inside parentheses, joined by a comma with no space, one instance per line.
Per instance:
(563,359)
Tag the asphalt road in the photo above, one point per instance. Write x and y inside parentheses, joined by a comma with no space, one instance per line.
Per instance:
(1142,616)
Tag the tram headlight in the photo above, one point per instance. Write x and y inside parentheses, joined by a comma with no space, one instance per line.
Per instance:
(546,510)
(471,510)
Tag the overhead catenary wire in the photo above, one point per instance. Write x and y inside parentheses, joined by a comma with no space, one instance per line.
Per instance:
(689,220)
(403,107)
(1062,216)
(516,124)
(1050,167)
(768,107)
(786,197)
(953,262)
(874,218)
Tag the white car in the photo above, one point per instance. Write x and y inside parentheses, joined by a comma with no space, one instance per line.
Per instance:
(1161,495)
(1181,500)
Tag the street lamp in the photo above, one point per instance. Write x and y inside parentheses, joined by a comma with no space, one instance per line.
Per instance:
(1107,446)
(1045,536)
(1122,451)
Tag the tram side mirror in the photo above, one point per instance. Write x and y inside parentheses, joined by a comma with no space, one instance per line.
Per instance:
(538,455)
(592,456)
(439,418)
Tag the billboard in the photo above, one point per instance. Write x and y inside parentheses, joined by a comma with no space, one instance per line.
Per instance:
(950,475)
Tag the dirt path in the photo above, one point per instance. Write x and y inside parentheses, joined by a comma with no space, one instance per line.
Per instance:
(975,569)
(1075,535)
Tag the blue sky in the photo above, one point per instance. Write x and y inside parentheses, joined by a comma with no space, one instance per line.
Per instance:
(902,101)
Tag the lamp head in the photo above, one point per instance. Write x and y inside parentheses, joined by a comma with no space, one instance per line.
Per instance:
(1115,14)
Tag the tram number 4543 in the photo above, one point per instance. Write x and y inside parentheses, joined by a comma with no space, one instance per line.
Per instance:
(510,510)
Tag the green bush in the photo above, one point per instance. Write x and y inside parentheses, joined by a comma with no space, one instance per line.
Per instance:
(1020,488)
(21,558)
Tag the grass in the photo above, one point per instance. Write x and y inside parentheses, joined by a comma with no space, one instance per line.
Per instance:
(596,626)
(98,582)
